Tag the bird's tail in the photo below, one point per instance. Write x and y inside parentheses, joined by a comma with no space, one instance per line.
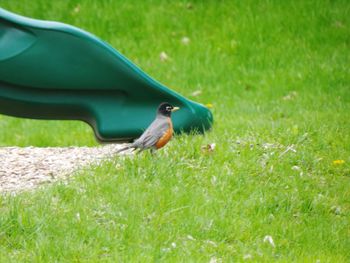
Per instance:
(125,148)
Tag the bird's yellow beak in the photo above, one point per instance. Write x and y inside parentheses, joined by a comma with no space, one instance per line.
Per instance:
(175,109)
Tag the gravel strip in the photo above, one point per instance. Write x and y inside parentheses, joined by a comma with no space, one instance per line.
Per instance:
(24,168)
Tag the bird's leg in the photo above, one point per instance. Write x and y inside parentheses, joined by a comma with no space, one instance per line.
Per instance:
(138,150)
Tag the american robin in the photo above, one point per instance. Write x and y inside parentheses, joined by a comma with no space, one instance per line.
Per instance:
(159,133)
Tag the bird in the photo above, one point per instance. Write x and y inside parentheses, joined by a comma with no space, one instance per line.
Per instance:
(158,133)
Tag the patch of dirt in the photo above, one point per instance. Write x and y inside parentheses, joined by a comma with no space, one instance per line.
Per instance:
(24,168)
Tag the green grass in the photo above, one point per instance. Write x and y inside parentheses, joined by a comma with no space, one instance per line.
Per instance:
(184,204)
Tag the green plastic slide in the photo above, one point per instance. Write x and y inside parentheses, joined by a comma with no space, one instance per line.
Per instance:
(50,70)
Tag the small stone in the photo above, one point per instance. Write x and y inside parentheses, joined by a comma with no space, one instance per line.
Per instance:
(336,210)
(190,237)
(211,243)
(196,93)
(292,95)
(163,56)
(269,240)
(209,147)
(185,41)
(296,168)
(76,9)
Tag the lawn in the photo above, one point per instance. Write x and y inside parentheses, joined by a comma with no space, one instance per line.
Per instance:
(277,74)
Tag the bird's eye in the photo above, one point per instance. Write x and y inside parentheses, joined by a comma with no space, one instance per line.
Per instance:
(168,108)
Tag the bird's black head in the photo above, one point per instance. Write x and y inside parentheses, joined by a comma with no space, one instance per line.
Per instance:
(166,109)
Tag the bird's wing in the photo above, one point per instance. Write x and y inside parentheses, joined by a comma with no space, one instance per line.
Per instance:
(152,134)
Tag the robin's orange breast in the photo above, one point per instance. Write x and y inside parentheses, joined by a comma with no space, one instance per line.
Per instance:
(166,137)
